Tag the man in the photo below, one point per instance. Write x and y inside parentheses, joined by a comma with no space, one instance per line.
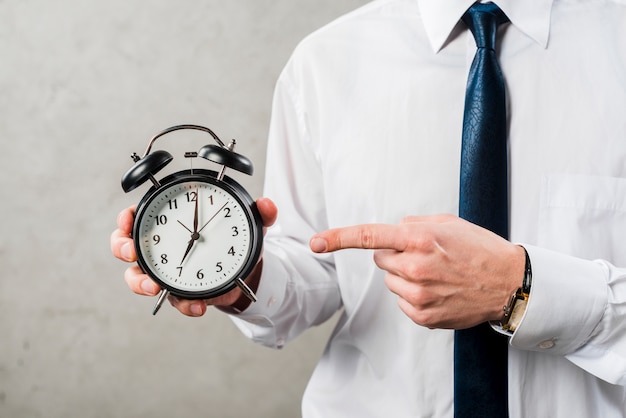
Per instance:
(364,145)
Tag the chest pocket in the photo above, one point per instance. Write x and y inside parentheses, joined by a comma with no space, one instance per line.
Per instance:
(584,216)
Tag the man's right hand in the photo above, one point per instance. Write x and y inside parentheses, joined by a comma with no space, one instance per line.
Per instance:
(123,248)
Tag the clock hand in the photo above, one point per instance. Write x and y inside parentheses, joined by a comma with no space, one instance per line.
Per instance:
(193,239)
(195,213)
(194,235)
(213,217)
(184,226)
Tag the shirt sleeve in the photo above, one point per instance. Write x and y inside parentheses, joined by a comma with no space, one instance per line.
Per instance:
(577,309)
(298,288)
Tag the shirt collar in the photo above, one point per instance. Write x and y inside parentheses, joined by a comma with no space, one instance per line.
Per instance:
(440,17)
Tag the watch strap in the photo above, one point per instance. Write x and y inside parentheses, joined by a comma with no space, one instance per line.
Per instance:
(515,309)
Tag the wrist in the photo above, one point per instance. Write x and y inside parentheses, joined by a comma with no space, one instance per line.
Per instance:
(242,301)
(514,309)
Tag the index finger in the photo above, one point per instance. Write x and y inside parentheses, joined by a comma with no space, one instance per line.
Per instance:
(366,236)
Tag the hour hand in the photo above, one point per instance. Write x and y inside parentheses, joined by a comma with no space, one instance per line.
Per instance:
(194,238)
(189,245)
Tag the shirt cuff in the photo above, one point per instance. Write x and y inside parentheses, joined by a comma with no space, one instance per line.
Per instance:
(254,322)
(567,301)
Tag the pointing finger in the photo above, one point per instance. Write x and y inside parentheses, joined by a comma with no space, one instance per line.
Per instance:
(367,236)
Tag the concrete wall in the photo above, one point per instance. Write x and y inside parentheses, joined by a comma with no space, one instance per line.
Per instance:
(83,84)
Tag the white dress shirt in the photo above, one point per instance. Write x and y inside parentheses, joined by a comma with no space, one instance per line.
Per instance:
(366,128)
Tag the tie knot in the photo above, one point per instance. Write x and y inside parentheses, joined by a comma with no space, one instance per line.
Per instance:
(483,20)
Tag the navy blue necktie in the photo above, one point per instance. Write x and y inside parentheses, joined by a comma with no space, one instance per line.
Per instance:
(480,354)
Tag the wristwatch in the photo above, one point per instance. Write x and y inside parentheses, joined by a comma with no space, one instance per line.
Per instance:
(514,310)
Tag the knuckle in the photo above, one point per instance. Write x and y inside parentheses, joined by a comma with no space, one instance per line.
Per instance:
(365,237)
(414,270)
(418,315)
(416,297)
(425,319)
(422,241)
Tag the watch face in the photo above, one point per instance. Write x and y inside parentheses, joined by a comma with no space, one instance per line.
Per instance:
(196,235)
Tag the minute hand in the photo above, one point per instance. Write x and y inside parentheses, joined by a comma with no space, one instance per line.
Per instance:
(213,217)
(194,235)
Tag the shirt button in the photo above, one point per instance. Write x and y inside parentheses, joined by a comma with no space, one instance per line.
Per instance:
(547,344)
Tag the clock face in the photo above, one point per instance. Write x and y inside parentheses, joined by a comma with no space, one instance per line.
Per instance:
(195,237)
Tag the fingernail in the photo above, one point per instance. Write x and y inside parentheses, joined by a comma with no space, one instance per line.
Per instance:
(318,245)
(126,252)
(196,309)
(148,287)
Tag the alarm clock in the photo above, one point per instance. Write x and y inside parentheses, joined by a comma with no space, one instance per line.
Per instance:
(197,232)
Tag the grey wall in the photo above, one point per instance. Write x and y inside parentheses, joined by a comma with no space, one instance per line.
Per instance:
(83,84)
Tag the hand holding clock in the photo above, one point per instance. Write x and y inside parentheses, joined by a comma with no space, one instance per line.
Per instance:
(122,248)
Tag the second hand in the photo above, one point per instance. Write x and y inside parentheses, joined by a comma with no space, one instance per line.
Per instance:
(212,217)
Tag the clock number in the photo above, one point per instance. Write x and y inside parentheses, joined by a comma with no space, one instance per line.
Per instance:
(227,210)
(218,267)
(211,199)
(231,251)
(180,270)
(235,231)
(200,274)
(156,239)
(163,258)
(191,196)
(173,204)
(161,220)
